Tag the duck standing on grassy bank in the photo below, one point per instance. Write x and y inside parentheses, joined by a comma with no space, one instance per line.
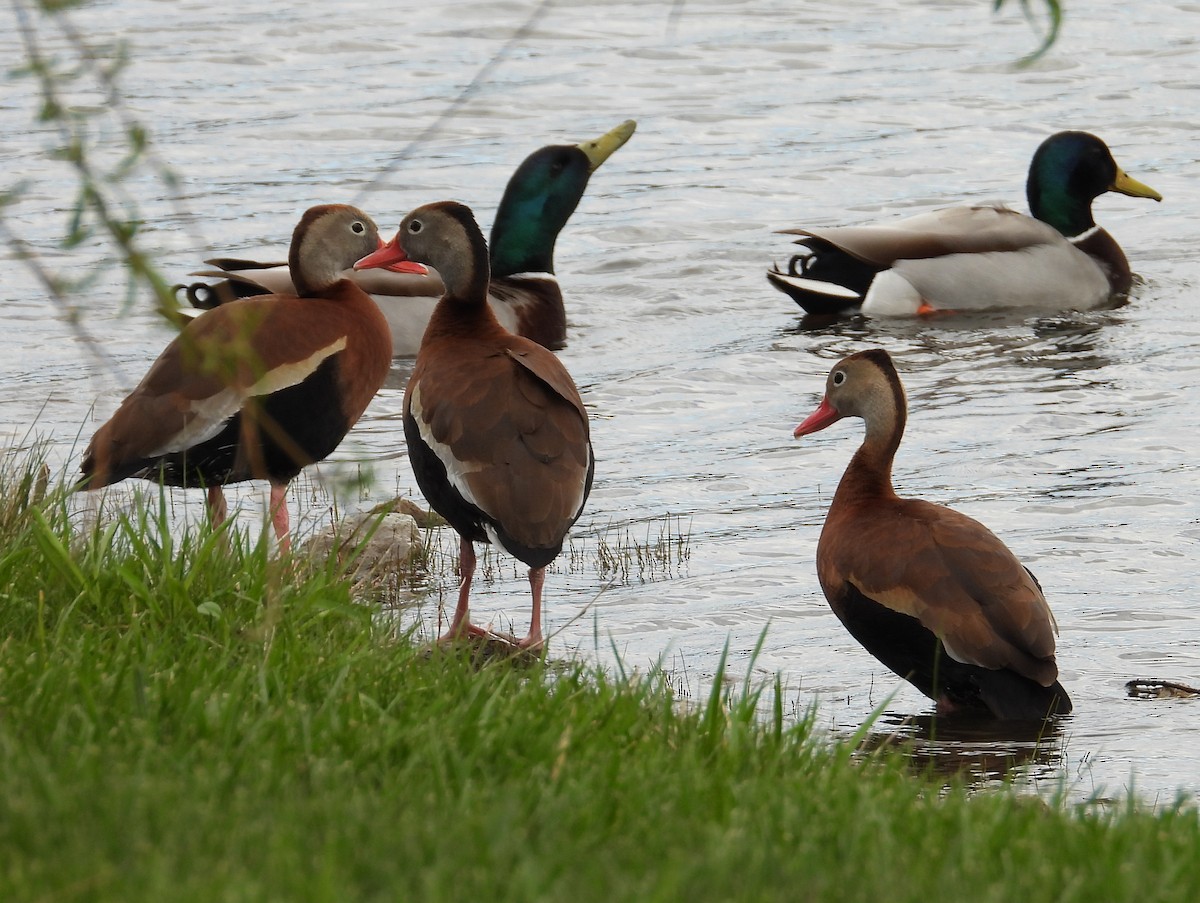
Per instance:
(524,292)
(496,431)
(931,593)
(981,257)
(260,388)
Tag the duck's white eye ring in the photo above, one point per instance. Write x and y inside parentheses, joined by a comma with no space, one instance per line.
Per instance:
(415,226)
(357,227)
(839,377)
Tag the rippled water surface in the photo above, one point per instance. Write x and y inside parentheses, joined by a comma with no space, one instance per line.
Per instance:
(1072,437)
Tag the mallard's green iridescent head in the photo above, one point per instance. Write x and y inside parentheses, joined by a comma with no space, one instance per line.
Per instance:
(540,198)
(1069,171)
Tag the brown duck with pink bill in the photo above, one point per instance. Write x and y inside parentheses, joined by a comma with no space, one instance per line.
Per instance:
(931,593)
(497,434)
(259,388)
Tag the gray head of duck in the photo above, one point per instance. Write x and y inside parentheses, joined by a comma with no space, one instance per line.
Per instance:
(540,198)
(866,385)
(445,236)
(1070,170)
(326,242)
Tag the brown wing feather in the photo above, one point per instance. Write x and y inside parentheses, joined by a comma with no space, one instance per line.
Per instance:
(549,370)
(955,230)
(952,574)
(515,424)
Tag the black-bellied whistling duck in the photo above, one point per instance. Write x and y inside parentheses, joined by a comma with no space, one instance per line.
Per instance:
(496,431)
(931,593)
(524,292)
(978,258)
(257,389)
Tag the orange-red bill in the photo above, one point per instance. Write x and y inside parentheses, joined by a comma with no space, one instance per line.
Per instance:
(823,416)
(391,256)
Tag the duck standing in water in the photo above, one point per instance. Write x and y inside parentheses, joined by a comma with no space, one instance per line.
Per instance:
(978,258)
(524,292)
(497,434)
(259,388)
(931,593)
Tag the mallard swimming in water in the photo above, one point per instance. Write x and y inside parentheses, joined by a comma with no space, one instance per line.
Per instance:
(979,257)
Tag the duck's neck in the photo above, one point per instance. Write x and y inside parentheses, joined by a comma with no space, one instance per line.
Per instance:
(454,316)
(1058,203)
(464,307)
(869,474)
(522,240)
(466,274)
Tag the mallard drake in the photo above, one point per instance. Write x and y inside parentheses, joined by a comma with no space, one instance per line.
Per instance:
(980,257)
(260,388)
(497,434)
(539,199)
(931,593)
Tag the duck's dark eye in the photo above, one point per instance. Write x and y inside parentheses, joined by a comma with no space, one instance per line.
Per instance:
(839,377)
(357,228)
(415,226)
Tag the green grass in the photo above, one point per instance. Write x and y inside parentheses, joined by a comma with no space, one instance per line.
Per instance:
(183,719)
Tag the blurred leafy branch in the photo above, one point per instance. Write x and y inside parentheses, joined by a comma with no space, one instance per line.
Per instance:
(1054,15)
(66,66)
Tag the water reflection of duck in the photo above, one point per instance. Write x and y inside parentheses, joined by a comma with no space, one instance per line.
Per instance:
(977,257)
(981,749)
(259,389)
(497,434)
(931,593)
(524,294)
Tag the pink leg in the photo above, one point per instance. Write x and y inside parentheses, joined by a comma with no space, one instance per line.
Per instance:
(279,516)
(218,509)
(533,640)
(466,568)
(461,624)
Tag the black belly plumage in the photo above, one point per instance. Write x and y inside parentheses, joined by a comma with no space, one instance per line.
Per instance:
(912,651)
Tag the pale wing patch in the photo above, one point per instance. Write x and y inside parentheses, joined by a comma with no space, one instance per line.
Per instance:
(207,416)
(577,506)
(897,598)
(456,470)
(955,654)
(294,372)
(905,601)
